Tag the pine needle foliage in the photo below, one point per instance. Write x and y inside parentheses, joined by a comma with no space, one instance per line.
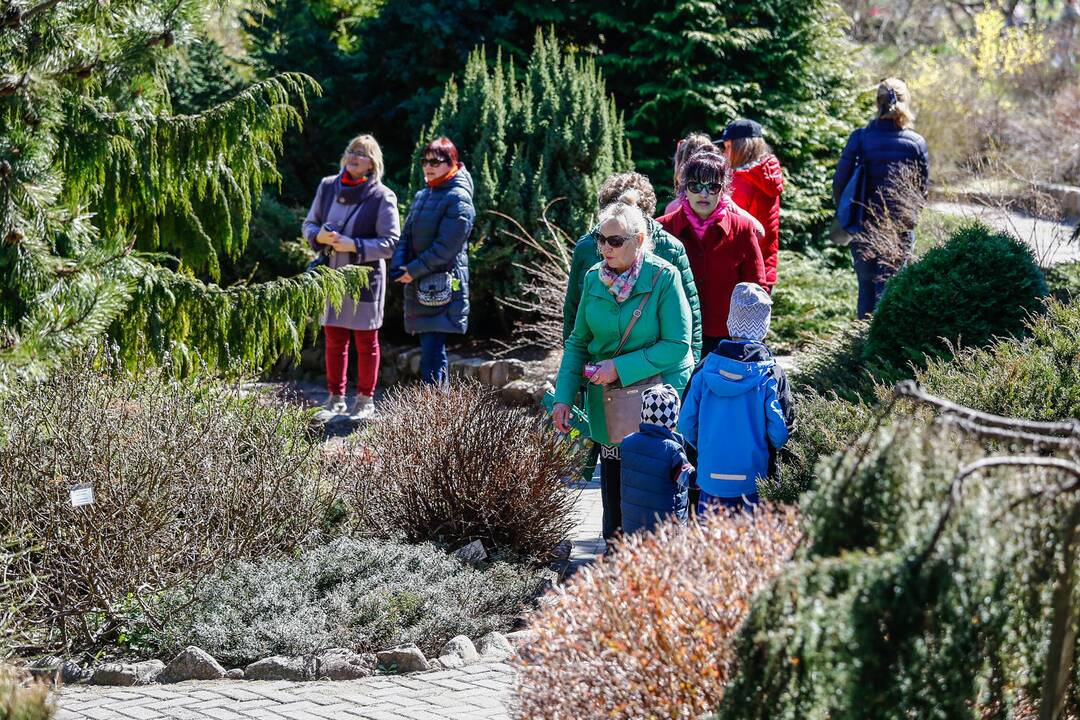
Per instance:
(110,205)
(528,137)
(695,65)
(893,608)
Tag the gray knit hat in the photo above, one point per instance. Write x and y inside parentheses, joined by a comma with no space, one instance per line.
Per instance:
(660,406)
(750,312)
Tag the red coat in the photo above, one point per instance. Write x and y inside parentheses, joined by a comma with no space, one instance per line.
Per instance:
(728,256)
(757,190)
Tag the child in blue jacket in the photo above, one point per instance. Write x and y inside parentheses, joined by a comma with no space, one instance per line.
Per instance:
(737,410)
(655,473)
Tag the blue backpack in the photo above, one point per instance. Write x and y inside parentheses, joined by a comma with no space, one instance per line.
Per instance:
(851,209)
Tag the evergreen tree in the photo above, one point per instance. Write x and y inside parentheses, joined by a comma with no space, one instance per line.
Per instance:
(550,132)
(111,205)
(694,65)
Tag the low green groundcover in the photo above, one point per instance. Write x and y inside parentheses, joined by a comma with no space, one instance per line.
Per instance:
(364,594)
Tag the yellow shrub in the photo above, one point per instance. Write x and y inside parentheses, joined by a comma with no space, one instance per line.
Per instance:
(965,89)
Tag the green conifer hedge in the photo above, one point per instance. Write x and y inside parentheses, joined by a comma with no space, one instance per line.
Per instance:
(529,137)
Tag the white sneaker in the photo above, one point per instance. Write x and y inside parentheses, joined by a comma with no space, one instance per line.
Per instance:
(363,408)
(335,405)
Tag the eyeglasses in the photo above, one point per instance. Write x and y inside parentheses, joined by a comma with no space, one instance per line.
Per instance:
(615,241)
(698,188)
(358,154)
(432,162)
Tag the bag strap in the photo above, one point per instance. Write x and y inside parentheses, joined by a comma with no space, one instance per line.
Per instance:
(637,314)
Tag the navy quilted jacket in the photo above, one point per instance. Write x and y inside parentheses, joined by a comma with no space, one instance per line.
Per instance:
(652,478)
(881,145)
(435,238)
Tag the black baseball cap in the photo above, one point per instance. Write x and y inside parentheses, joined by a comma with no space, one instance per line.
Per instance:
(739,129)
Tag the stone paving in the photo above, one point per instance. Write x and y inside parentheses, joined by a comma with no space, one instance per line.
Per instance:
(475,692)
(1049,241)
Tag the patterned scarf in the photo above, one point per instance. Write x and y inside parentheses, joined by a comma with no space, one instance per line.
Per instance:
(696,223)
(622,284)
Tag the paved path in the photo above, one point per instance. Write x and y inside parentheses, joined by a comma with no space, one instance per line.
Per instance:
(1049,240)
(476,692)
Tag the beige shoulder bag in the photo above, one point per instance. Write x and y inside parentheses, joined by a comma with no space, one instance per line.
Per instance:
(622,405)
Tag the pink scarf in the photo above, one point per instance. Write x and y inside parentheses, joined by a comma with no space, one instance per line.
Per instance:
(698,225)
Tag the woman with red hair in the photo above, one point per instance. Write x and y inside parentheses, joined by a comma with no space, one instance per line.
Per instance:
(432,257)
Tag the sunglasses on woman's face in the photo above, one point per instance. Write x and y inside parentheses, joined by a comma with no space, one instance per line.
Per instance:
(698,188)
(615,241)
(432,162)
(359,154)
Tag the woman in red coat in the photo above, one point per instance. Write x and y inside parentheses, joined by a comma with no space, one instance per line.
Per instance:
(756,183)
(720,243)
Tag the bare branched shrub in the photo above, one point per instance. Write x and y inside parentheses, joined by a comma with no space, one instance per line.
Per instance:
(892,215)
(1046,139)
(547,273)
(184,475)
(455,465)
(648,632)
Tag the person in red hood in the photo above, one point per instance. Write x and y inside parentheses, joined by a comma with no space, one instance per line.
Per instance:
(757,181)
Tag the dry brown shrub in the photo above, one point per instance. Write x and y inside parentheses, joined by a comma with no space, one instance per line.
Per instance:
(21,698)
(185,475)
(647,632)
(455,465)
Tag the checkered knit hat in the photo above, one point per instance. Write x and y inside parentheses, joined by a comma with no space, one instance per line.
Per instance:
(750,312)
(660,406)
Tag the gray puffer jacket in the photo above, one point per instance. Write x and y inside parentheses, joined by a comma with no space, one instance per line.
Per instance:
(435,239)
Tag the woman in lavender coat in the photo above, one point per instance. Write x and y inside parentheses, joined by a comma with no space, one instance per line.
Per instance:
(354,219)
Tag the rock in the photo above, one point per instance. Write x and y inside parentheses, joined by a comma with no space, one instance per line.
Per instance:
(192,664)
(515,369)
(235,673)
(483,372)
(402,359)
(500,373)
(494,646)
(128,674)
(466,367)
(56,669)
(344,664)
(281,667)
(473,552)
(521,638)
(403,659)
(458,652)
(414,364)
(518,393)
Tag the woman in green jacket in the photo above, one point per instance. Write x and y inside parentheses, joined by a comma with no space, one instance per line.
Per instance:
(659,343)
(663,245)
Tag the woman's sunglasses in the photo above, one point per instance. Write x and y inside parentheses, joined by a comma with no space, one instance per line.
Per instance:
(698,188)
(358,154)
(432,162)
(615,241)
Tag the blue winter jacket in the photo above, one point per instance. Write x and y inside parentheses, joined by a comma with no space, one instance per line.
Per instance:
(881,146)
(732,414)
(435,238)
(655,475)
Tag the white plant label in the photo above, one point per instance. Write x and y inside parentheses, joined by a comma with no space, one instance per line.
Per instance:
(82,495)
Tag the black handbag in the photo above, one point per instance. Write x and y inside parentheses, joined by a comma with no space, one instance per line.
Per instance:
(435,290)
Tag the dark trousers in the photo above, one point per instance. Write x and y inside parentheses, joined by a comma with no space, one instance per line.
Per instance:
(872,276)
(433,362)
(610,490)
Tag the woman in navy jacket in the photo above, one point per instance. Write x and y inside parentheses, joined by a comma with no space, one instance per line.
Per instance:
(882,146)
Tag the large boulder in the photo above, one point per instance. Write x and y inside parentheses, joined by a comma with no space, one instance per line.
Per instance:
(403,659)
(192,664)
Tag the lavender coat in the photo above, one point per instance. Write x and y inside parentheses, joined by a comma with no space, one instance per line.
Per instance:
(370,213)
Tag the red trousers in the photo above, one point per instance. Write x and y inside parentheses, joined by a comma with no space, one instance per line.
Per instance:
(337,359)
